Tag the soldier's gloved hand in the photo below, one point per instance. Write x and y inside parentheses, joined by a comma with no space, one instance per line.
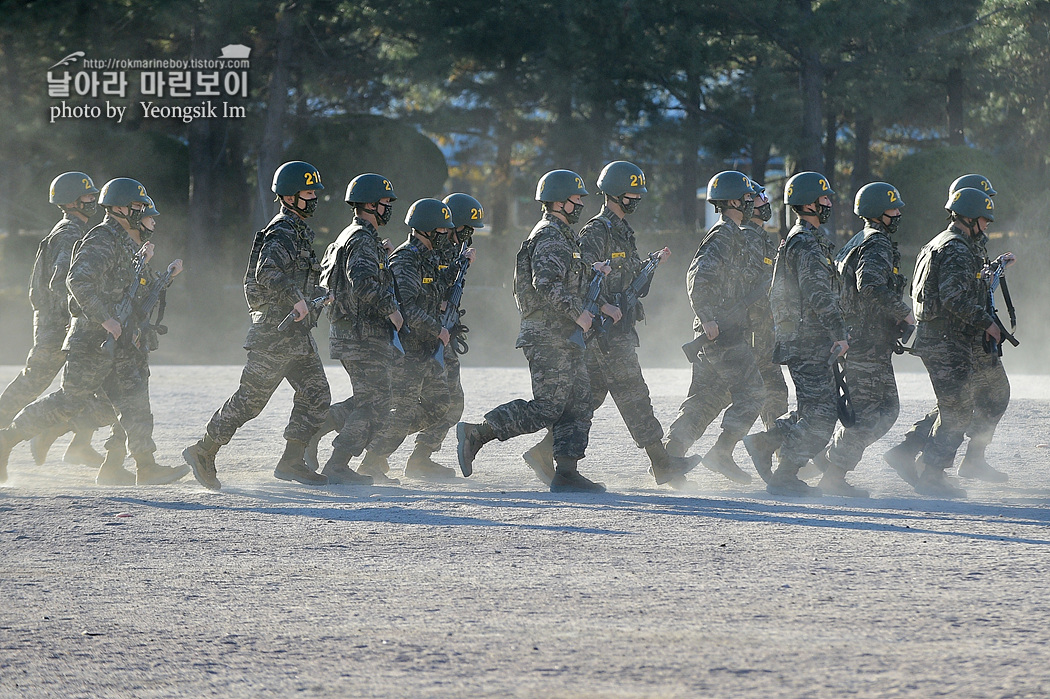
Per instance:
(302,310)
(444,336)
(584,321)
(613,312)
(175,268)
(710,329)
(992,330)
(112,327)
(397,319)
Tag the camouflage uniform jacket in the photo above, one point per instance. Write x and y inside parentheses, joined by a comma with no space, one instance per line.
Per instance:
(47,287)
(282,270)
(949,294)
(717,281)
(609,237)
(102,268)
(416,270)
(356,271)
(761,253)
(804,296)
(872,288)
(549,282)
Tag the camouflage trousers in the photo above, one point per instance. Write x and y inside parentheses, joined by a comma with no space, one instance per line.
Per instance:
(561,400)
(431,438)
(95,384)
(263,373)
(724,378)
(989,396)
(873,390)
(420,401)
(369,363)
(807,429)
(618,373)
(776,390)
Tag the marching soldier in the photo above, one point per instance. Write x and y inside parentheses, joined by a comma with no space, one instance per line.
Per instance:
(76,196)
(420,396)
(282,276)
(872,286)
(724,375)
(991,395)
(365,319)
(613,368)
(808,326)
(108,264)
(953,321)
(549,288)
(454,250)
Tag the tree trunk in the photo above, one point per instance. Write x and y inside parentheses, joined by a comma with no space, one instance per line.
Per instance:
(204,193)
(811,85)
(831,155)
(862,128)
(955,108)
(690,169)
(271,148)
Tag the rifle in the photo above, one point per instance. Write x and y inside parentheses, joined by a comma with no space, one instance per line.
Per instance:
(627,300)
(693,348)
(311,306)
(996,269)
(590,305)
(450,317)
(395,338)
(127,303)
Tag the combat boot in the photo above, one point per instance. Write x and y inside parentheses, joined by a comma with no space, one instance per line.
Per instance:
(333,423)
(901,459)
(421,467)
(541,458)
(569,480)
(8,440)
(40,445)
(149,472)
(201,458)
(292,467)
(667,468)
(761,447)
(377,467)
(341,474)
(833,482)
(720,459)
(81,452)
(112,471)
(470,437)
(975,466)
(934,483)
(786,483)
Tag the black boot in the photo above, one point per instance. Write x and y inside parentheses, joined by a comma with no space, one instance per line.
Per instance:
(720,459)
(568,480)
(760,447)
(292,466)
(81,452)
(201,458)
(470,438)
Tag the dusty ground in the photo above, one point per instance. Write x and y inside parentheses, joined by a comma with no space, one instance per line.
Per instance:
(492,587)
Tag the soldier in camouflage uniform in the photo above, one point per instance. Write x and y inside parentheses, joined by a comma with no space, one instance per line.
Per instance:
(760,319)
(876,315)
(991,395)
(721,285)
(104,267)
(420,396)
(281,277)
(953,320)
(809,328)
(455,250)
(549,288)
(365,318)
(613,366)
(75,196)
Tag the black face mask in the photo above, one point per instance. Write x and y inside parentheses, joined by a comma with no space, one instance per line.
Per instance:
(748,209)
(88,208)
(629,206)
(764,212)
(574,217)
(894,223)
(309,207)
(823,213)
(383,218)
(145,233)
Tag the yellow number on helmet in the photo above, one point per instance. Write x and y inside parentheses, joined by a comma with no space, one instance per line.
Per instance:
(448,214)
(475,214)
(893,196)
(823,185)
(86,181)
(579,183)
(988,203)
(386,185)
(142,191)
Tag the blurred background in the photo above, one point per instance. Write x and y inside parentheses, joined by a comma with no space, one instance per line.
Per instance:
(484,96)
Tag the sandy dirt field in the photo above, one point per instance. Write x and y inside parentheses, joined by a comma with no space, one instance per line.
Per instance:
(493,587)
